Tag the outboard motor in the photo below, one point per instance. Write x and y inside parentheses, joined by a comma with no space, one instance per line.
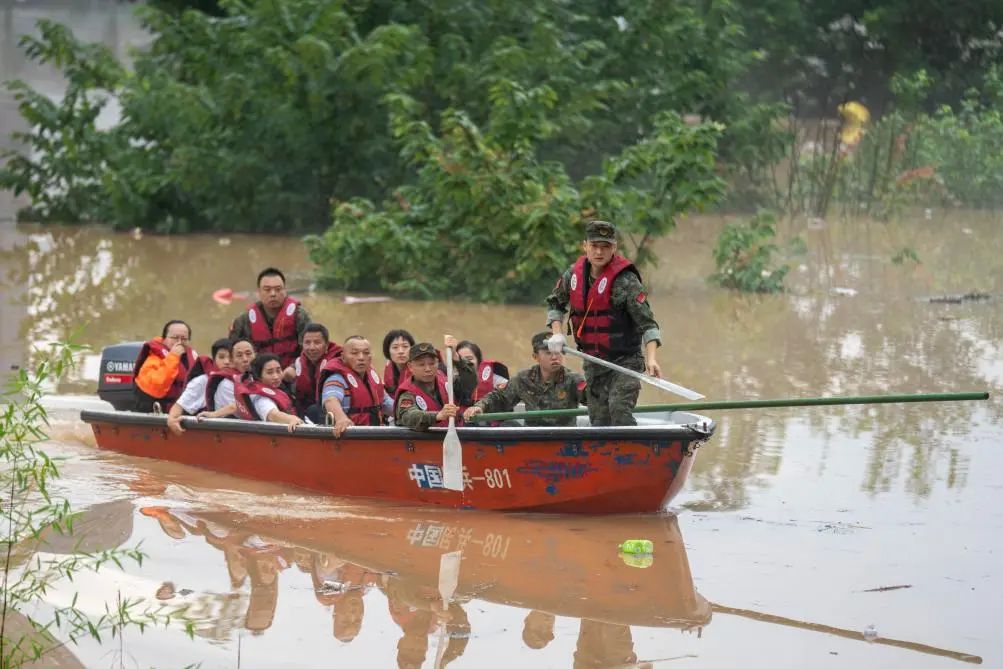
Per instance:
(116,374)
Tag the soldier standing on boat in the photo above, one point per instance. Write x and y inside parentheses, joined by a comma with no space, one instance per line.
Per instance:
(276,322)
(610,319)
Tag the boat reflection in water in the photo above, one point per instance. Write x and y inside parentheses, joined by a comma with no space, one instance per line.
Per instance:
(431,565)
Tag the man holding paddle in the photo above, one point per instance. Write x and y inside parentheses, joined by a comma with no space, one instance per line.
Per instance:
(611,321)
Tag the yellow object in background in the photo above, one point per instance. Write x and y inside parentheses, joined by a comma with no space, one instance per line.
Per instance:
(855,117)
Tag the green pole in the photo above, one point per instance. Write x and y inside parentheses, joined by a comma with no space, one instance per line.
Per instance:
(750,404)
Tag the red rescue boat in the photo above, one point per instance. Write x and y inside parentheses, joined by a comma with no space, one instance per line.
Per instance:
(559,470)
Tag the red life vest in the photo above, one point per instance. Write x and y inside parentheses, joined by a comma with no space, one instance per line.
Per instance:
(393,379)
(245,407)
(203,365)
(282,339)
(215,378)
(486,377)
(421,397)
(305,388)
(365,396)
(156,347)
(599,329)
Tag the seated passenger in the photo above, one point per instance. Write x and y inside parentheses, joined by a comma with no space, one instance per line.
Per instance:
(351,390)
(207,364)
(546,385)
(423,400)
(262,399)
(490,374)
(161,368)
(317,348)
(396,346)
(276,322)
(232,360)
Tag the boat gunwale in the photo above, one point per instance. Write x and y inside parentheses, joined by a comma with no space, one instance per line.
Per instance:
(698,430)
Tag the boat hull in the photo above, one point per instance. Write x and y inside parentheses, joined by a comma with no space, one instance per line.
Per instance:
(561,470)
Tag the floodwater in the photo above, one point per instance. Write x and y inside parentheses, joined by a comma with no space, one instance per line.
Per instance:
(798,529)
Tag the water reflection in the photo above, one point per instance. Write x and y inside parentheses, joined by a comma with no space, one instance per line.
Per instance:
(549,566)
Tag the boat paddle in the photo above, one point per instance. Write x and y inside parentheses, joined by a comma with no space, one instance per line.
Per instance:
(449,578)
(452,451)
(673,388)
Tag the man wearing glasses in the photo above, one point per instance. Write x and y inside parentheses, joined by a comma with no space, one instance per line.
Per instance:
(161,370)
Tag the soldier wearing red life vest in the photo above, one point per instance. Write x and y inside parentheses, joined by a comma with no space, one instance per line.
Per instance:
(276,322)
(351,390)
(317,348)
(423,401)
(161,369)
(262,397)
(610,319)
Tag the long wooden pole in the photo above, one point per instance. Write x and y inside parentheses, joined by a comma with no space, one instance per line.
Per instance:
(751,404)
(845,633)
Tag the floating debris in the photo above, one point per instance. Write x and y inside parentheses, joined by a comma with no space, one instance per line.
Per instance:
(973,296)
(348,299)
(887,588)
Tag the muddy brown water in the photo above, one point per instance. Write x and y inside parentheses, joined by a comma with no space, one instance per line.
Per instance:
(788,542)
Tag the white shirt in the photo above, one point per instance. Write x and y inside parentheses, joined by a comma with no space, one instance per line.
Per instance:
(192,399)
(224,394)
(263,406)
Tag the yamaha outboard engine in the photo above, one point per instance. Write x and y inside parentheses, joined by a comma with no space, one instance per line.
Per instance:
(116,375)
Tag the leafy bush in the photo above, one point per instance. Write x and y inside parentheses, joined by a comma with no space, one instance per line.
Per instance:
(255,119)
(488,220)
(744,256)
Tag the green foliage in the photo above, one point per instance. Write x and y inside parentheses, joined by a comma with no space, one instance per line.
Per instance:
(28,513)
(824,52)
(257,119)
(904,254)
(665,175)
(64,181)
(488,219)
(910,157)
(744,256)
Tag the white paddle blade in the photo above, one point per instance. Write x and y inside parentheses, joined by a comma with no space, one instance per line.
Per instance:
(678,390)
(452,459)
(449,576)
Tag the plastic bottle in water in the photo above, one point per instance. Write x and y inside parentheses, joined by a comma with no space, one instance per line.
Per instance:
(637,547)
(870,633)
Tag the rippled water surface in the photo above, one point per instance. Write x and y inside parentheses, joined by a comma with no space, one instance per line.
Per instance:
(792,537)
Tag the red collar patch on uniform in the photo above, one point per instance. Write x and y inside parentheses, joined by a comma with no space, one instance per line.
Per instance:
(404,404)
(641,297)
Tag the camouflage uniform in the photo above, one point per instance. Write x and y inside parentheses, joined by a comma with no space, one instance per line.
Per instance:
(612,396)
(241,327)
(566,390)
(408,414)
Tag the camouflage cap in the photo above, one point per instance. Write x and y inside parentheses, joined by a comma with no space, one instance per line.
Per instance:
(540,341)
(600,231)
(421,349)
